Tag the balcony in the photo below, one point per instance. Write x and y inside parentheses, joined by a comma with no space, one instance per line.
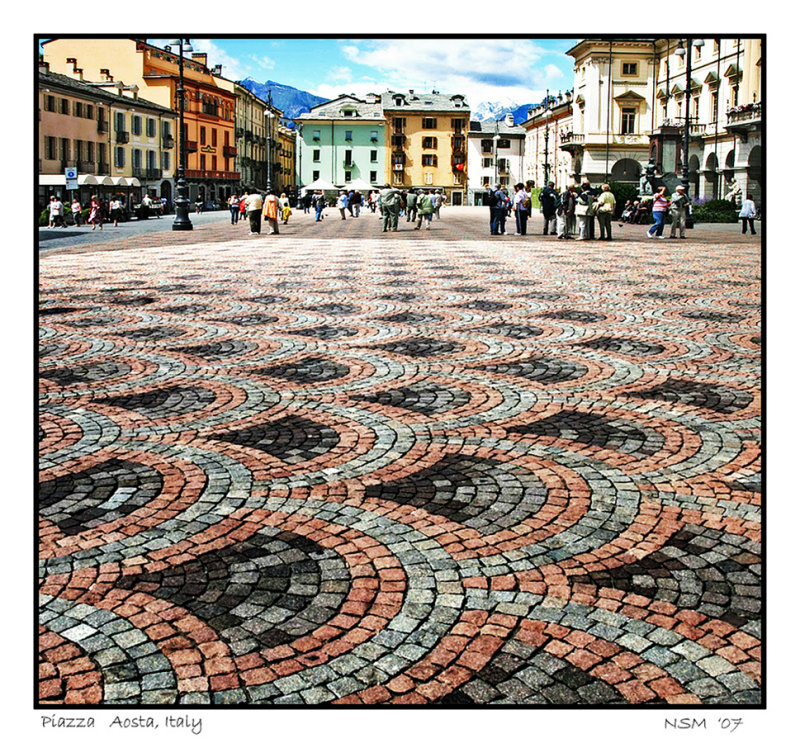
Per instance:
(348,163)
(102,126)
(123,137)
(742,120)
(137,172)
(103,169)
(190,145)
(248,136)
(238,132)
(154,173)
(228,151)
(398,140)
(572,142)
(85,166)
(168,142)
(224,175)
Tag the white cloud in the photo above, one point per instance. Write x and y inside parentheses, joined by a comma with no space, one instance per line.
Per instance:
(340,73)
(551,73)
(263,62)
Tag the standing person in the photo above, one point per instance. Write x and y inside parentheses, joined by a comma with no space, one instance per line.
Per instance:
(350,195)
(253,205)
(390,207)
(356,202)
(564,212)
(548,198)
(115,208)
(490,199)
(341,203)
(677,210)
(233,203)
(198,204)
(748,214)
(444,198)
(583,210)
(319,203)
(522,207)
(503,207)
(76,212)
(285,210)
(96,213)
(425,209)
(307,198)
(437,200)
(605,211)
(243,206)
(659,213)
(271,210)
(411,206)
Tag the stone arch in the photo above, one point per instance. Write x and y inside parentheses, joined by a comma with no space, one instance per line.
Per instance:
(710,184)
(626,170)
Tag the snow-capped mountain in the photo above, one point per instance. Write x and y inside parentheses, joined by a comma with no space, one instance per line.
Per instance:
(291,101)
(492,111)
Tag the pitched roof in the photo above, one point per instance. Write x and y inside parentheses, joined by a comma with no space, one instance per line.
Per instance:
(411,101)
(487,128)
(334,110)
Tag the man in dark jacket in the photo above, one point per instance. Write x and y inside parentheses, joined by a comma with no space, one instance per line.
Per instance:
(411,206)
(548,198)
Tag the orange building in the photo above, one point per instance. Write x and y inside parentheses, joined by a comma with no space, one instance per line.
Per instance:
(209,100)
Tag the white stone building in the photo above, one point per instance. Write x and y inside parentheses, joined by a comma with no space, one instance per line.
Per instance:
(494,156)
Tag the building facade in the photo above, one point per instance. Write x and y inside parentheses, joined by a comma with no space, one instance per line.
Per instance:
(286,175)
(119,143)
(209,103)
(342,141)
(427,141)
(547,128)
(629,105)
(495,152)
(250,138)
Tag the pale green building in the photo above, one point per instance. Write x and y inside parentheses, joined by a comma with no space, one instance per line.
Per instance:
(342,141)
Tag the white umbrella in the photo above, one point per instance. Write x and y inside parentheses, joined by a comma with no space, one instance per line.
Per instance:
(358,185)
(321,185)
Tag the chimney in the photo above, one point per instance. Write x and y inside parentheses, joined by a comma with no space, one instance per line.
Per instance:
(217,70)
(510,119)
(44,66)
(200,57)
(107,77)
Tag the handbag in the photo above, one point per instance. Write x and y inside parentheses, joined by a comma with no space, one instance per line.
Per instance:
(604,208)
(581,209)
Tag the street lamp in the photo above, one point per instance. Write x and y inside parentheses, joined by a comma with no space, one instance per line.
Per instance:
(269,141)
(681,52)
(546,136)
(496,140)
(182,221)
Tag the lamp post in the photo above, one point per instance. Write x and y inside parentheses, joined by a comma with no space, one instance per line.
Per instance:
(496,140)
(269,141)
(546,136)
(680,51)
(182,221)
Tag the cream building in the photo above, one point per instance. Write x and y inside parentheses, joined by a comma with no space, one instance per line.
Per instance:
(547,130)
(494,156)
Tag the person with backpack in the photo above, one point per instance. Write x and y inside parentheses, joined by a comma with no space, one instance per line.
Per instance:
(522,208)
(548,198)
(411,206)
(583,210)
(390,207)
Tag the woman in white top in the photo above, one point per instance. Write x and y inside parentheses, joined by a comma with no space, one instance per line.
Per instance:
(748,214)
(341,203)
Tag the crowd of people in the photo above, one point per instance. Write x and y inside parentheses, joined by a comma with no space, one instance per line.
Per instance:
(100,210)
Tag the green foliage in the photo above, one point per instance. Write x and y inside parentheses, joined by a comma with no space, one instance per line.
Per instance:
(44,218)
(716,210)
(535,203)
(622,192)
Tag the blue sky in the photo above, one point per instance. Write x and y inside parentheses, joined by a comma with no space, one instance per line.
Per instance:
(505,70)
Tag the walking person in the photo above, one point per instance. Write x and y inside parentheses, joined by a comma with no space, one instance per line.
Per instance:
(243,206)
(411,206)
(425,209)
(522,207)
(677,209)
(76,212)
(285,210)
(253,206)
(307,202)
(96,213)
(56,209)
(659,213)
(583,210)
(605,211)
(437,200)
(272,209)
(319,203)
(548,198)
(748,215)
(233,203)
(115,210)
(390,207)
(341,203)
(356,202)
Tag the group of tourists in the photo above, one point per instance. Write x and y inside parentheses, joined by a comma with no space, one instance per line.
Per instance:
(250,204)
(100,210)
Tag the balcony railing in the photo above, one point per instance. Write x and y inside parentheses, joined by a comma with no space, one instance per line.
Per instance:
(123,137)
(154,173)
(218,174)
(748,114)
(169,142)
(85,166)
(191,145)
(228,151)
(103,169)
(138,172)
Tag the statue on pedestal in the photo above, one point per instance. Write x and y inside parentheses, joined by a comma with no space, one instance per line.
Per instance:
(734,193)
(646,181)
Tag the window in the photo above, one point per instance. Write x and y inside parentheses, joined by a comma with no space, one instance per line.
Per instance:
(429,143)
(429,161)
(64,106)
(213,138)
(428,123)
(315,136)
(348,157)
(714,104)
(457,179)
(151,127)
(630,68)
(89,111)
(348,136)
(373,136)
(399,161)
(136,125)
(119,122)
(90,152)
(486,145)
(373,156)
(165,160)
(119,157)
(696,107)
(399,125)
(136,159)
(213,162)
(397,178)
(458,143)
(488,162)
(315,155)
(348,112)
(79,150)
(428,177)
(78,109)
(315,175)
(715,46)
(166,130)
(50,103)
(101,153)
(202,135)
(348,176)
(65,149)
(697,52)
(458,125)
(629,121)
(151,160)
(373,176)
(52,148)
(503,144)
(202,162)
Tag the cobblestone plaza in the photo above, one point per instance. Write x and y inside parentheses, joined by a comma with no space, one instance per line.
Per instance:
(341,467)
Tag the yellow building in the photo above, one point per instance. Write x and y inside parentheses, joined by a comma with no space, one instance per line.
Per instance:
(426,141)
(118,142)
(285,178)
(209,100)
